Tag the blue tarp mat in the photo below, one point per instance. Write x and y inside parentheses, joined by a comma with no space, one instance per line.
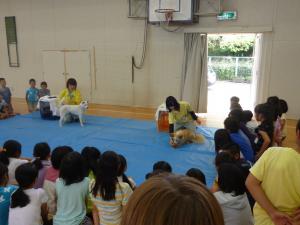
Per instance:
(137,140)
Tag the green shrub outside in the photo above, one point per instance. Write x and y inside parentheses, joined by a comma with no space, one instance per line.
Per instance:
(225,67)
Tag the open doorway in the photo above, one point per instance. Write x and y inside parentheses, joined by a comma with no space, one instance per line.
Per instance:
(230,68)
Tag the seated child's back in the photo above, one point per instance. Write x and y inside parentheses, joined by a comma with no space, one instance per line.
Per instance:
(5,194)
(10,156)
(28,205)
(72,189)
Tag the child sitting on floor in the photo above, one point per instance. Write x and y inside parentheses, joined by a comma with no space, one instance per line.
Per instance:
(235,152)
(3,109)
(51,176)
(248,121)
(265,131)
(197,174)
(10,156)
(274,103)
(41,153)
(244,131)
(221,138)
(5,194)
(232,196)
(90,156)
(6,94)
(109,195)
(158,168)
(235,103)
(28,205)
(72,189)
(232,125)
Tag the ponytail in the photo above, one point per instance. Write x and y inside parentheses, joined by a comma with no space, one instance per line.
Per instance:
(3,157)
(126,180)
(19,198)
(11,149)
(38,163)
(26,175)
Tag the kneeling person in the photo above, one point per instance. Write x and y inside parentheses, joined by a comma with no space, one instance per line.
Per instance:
(181,116)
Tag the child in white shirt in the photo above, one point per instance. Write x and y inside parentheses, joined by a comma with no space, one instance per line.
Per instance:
(28,205)
(10,156)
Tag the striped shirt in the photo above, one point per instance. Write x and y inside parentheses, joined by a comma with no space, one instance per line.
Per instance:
(110,212)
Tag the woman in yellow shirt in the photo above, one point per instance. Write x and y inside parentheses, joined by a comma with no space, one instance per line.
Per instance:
(70,95)
(181,116)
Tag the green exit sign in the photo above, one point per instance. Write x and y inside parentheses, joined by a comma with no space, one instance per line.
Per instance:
(227,15)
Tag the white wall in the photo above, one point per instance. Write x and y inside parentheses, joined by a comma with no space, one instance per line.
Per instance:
(78,24)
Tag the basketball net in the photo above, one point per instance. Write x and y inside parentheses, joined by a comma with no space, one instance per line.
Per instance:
(168,15)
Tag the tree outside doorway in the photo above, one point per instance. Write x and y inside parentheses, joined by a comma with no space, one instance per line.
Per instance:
(230,61)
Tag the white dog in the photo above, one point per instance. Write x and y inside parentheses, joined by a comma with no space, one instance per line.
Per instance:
(77,110)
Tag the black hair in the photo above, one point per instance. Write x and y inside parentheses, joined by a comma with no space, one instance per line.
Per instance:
(44,83)
(236,114)
(41,152)
(231,179)
(273,100)
(72,168)
(107,176)
(197,174)
(247,116)
(274,103)
(234,99)
(284,106)
(232,148)
(1,78)
(266,111)
(58,154)
(26,175)
(162,165)
(122,169)
(232,124)
(90,156)
(221,138)
(71,81)
(224,157)
(32,80)
(172,102)
(3,173)
(11,149)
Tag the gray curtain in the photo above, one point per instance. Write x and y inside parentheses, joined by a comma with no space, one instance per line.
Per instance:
(194,71)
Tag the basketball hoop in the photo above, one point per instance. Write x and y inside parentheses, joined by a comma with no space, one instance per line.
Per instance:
(168,14)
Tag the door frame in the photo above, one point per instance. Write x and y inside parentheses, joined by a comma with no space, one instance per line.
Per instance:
(65,72)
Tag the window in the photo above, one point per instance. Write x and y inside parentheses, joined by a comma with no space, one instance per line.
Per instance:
(12,43)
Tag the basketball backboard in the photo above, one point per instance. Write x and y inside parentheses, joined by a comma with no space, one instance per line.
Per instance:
(182,11)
